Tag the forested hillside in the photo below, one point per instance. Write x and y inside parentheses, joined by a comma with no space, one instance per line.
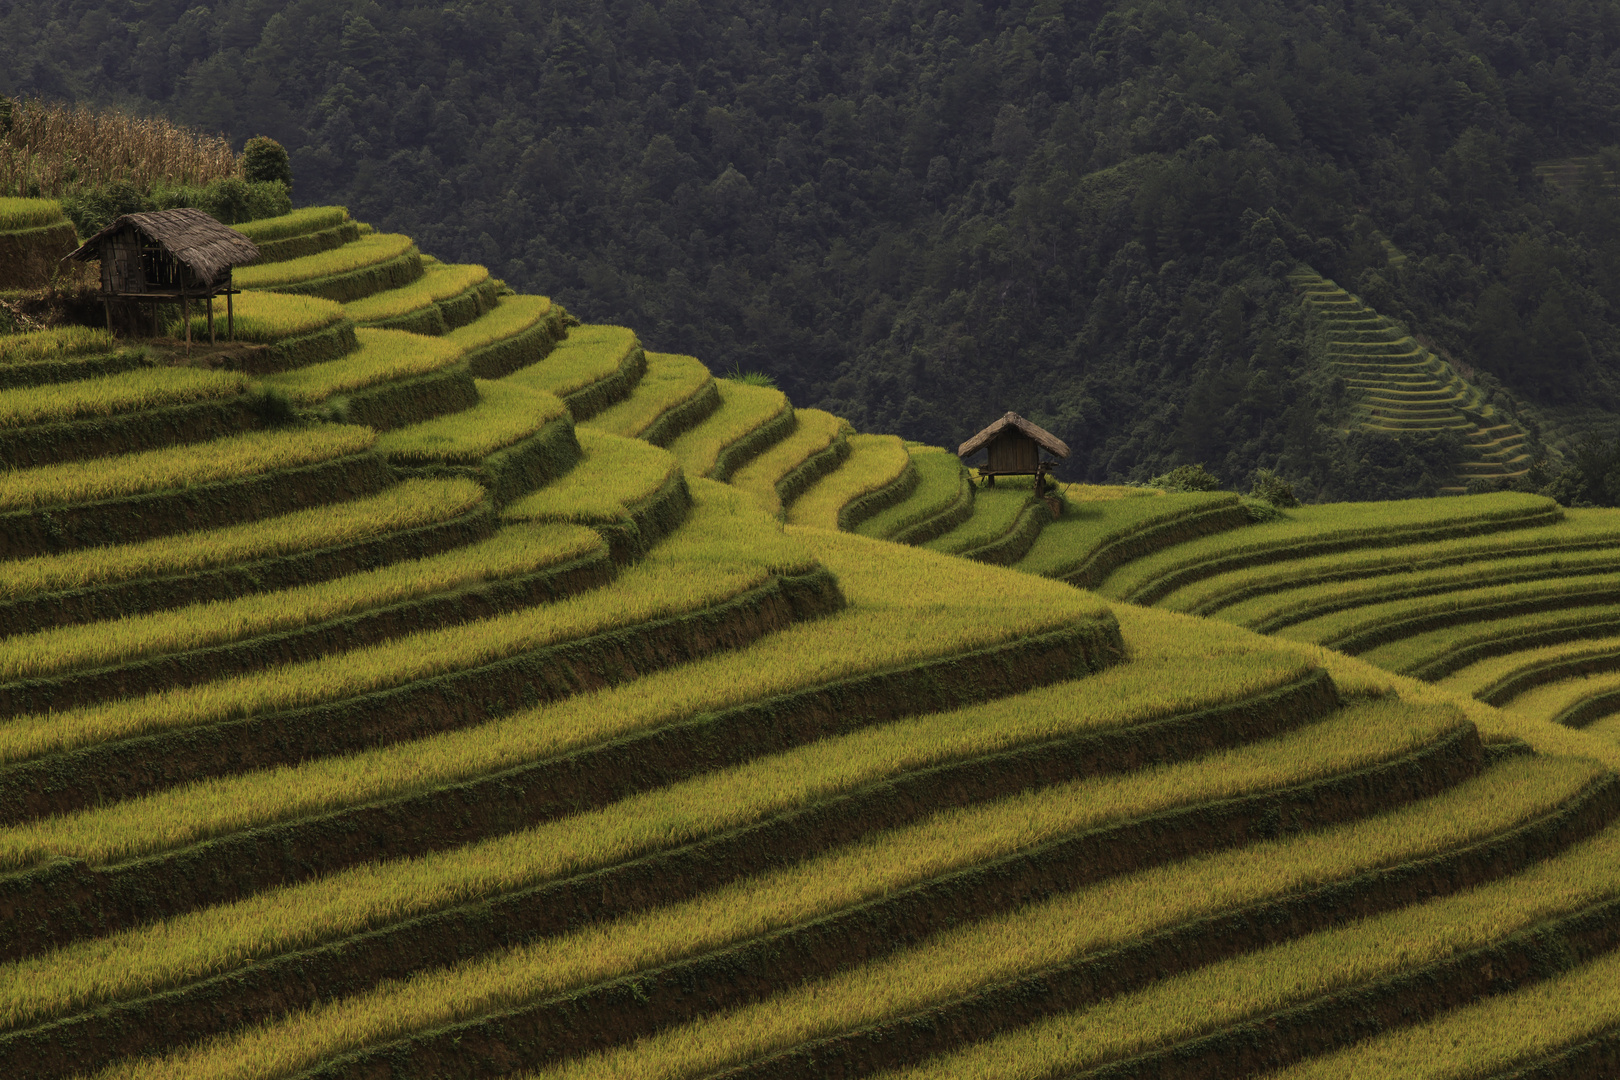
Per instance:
(919,216)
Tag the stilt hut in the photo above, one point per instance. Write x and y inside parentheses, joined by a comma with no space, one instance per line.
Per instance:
(168,256)
(1014,448)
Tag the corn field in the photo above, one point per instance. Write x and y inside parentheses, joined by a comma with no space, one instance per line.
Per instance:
(54,148)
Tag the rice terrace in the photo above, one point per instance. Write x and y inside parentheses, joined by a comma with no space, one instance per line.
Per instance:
(401,678)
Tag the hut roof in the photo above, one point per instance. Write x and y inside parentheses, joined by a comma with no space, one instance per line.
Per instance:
(189,235)
(1012,420)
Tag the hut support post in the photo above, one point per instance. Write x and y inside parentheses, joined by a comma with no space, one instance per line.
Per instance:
(210,319)
(230,312)
(154,319)
(185,316)
(106,307)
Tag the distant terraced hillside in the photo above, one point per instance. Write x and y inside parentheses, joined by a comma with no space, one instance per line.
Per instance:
(433,686)
(1401,388)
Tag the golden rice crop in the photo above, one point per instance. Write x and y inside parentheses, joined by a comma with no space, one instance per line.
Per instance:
(743,409)
(1484,674)
(128,391)
(1090,524)
(383,356)
(1579,529)
(1488,1038)
(863,871)
(1338,625)
(512,316)
(506,414)
(813,431)
(407,505)
(941,479)
(271,317)
(1079,923)
(355,255)
(1420,650)
(511,552)
(1420,590)
(875,462)
(720,552)
(218,939)
(919,609)
(995,511)
(18,214)
(180,466)
(440,281)
(670,381)
(588,355)
(1087,921)
(1550,700)
(1379,524)
(309,219)
(60,147)
(614,475)
(1261,983)
(59,343)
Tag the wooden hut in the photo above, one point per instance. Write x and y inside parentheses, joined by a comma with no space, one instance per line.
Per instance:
(168,256)
(1014,446)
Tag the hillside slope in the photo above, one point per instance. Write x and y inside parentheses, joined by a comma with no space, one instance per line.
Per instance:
(918,218)
(421,702)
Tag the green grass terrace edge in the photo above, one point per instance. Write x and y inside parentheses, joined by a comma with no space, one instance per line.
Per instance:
(146,516)
(147,593)
(1541,512)
(517,469)
(231,866)
(123,433)
(354,963)
(1222,514)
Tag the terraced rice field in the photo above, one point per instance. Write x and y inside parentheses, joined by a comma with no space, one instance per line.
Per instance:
(491,734)
(1401,388)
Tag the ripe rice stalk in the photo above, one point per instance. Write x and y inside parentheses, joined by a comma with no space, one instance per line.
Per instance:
(144,388)
(587,355)
(356,255)
(54,148)
(511,552)
(59,343)
(19,214)
(1580,529)
(300,222)
(218,939)
(814,432)
(269,317)
(940,479)
(512,316)
(743,409)
(670,380)
(506,414)
(726,546)
(410,504)
(1086,921)
(1083,922)
(1249,987)
(875,462)
(180,466)
(614,475)
(1370,524)
(720,552)
(383,356)
(439,281)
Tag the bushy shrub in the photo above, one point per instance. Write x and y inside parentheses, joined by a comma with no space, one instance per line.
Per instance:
(230,200)
(1186,478)
(1271,488)
(265,161)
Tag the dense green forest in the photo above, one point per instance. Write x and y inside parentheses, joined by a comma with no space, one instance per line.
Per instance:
(922,215)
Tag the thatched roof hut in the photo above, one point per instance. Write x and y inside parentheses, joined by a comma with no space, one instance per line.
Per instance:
(1014,446)
(167,255)
(191,240)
